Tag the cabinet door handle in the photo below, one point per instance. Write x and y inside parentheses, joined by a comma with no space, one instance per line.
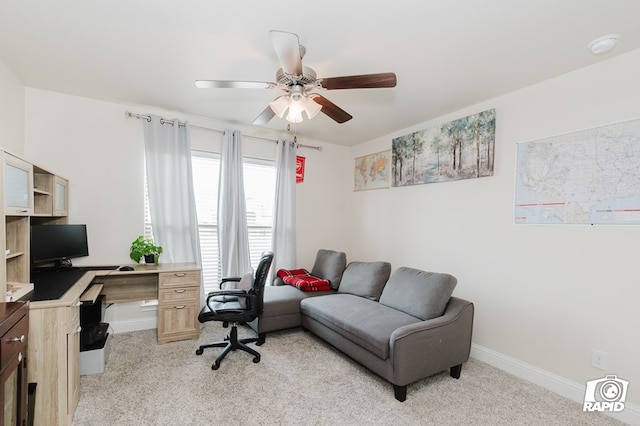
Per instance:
(16,339)
(79,303)
(180,290)
(79,329)
(180,274)
(179,307)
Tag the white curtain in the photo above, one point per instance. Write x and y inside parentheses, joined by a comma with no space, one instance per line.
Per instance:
(170,186)
(284,215)
(233,235)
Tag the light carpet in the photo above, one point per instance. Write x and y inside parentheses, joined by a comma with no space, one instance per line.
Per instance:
(300,381)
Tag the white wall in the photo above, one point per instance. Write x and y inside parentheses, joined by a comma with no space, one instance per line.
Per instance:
(11,111)
(544,295)
(101,152)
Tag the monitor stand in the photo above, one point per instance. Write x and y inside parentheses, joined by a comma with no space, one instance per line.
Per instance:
(62,264)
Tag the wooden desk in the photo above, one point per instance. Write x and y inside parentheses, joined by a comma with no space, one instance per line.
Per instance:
(54,327)
(176,286)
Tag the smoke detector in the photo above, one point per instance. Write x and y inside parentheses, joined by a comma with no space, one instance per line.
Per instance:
(603,44)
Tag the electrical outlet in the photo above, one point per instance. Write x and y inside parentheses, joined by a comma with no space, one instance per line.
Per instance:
(599,359)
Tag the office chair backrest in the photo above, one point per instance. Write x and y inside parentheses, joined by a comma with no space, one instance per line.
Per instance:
(261,279)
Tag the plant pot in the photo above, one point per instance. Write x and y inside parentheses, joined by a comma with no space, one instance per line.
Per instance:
(149,258)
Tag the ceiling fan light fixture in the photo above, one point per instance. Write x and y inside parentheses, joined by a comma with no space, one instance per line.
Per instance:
(312,109)
(297,104)
(280,105)
(294,116)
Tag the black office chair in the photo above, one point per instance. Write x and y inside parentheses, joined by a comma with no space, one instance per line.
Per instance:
(224,305)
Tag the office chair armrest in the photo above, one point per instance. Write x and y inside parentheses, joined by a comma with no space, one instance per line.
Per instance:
(229,279)
(227,292)
(232,292)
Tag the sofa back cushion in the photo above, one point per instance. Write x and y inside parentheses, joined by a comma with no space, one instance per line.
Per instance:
(419,293)
(365,279)
(329,265)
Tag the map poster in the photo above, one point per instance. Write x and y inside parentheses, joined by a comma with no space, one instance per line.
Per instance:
(372,171)
(588,177)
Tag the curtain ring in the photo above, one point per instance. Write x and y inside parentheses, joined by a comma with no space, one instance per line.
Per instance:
(148,118)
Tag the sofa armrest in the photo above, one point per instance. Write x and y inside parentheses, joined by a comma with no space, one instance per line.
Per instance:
(428,347)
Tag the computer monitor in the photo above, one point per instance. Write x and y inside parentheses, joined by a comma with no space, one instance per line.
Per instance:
(55,243)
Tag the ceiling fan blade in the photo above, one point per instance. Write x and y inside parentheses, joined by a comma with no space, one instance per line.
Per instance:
(230,84)
(287,48)
(364,81)
(264,117)
(332,110)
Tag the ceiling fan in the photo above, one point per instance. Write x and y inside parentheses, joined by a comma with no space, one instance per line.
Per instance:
(300,85)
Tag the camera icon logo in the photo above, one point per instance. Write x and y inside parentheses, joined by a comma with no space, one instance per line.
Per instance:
(605,394)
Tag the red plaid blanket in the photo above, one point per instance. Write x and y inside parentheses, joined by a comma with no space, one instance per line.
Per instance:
(303,280)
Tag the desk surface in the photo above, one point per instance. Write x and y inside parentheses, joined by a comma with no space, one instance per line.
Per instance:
(73,294)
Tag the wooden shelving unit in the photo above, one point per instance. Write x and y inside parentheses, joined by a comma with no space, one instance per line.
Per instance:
(31,195)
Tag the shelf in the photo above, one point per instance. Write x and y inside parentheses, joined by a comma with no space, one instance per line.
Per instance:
(17,290)
(37,191)
(14,255)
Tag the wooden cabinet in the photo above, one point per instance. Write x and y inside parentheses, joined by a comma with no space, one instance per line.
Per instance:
(17,189)
(14,333)
(50,192)
(60,196)
(54,364)
(18,186)
(178,305)
(31,195)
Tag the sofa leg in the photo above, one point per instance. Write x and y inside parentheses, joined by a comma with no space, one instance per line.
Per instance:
(400,392)
(455,371)
(261,339)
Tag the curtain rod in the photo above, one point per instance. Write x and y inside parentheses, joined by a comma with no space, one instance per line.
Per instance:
(180,123)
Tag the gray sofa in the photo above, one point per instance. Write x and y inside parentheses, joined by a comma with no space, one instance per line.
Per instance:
(403,327)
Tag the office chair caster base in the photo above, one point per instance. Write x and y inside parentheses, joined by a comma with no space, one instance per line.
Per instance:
(215,365)
(256,360)
(199,351)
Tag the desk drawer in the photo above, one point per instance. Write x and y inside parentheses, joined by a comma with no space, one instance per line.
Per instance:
(179,294)
(179,279)
(14,341)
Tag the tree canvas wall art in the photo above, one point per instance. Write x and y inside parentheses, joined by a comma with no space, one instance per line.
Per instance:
(459,149)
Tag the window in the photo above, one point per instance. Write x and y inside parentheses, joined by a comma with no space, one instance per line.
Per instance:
(259,187)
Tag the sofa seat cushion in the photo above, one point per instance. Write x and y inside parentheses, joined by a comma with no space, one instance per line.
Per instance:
(284,300)
(365,279)
(419,293)
(364,322)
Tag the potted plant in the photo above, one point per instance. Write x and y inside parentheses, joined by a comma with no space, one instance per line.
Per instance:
(145,247)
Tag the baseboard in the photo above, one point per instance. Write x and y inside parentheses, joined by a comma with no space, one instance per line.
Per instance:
(571,390)
(133,325)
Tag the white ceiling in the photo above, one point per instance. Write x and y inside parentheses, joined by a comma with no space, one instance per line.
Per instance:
(446,54)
